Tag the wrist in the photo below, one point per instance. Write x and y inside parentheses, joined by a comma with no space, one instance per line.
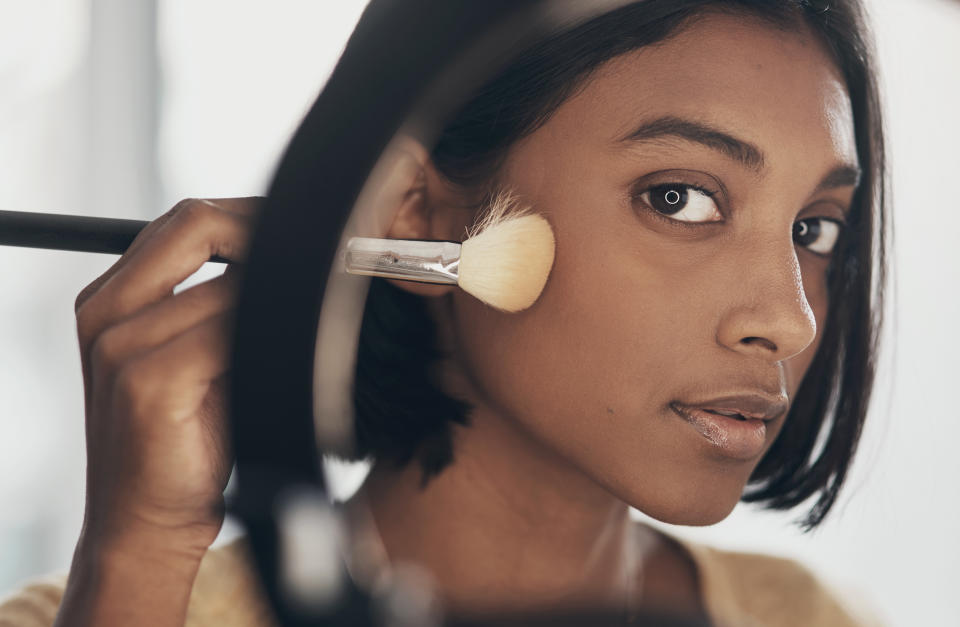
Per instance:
(170,553)
(141,531)
(129,581)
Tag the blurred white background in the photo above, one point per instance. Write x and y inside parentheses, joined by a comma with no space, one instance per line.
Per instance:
(118,108)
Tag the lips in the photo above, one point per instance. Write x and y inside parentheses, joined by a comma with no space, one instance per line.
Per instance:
(735,425)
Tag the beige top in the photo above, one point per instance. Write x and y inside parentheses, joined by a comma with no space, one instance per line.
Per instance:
(738,589)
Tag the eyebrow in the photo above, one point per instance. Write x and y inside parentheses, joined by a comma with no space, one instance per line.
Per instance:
(840,176)
(741,151)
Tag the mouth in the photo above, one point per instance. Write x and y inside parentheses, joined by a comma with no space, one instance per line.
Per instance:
(729,414)
(735,433)
(744,407)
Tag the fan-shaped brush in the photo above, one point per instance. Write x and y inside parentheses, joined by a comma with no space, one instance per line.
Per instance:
(504,261)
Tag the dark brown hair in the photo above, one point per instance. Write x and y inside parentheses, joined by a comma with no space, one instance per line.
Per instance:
(402,413)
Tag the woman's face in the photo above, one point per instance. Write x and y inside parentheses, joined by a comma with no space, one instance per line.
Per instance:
(691,187)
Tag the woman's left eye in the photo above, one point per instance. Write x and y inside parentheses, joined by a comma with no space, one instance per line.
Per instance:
(682,202)
(818,234)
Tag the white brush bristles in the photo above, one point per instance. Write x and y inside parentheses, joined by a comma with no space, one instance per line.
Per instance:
(507,257)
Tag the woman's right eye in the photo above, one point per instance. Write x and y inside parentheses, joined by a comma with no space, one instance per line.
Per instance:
(682,202)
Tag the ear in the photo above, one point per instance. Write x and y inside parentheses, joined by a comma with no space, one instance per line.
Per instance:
(421,205)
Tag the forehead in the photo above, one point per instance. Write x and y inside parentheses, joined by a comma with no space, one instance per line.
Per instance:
(777,88)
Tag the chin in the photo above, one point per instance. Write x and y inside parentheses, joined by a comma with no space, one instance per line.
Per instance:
(704,503)
(693,516)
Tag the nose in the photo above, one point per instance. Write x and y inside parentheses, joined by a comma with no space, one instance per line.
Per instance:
(769,315)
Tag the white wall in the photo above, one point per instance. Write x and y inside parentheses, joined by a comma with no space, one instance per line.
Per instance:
(237,76)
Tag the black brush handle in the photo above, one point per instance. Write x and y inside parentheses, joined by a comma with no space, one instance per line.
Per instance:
(65,232)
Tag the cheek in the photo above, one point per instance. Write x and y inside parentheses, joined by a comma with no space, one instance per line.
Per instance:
(532,363)
(596,346)
(589,370)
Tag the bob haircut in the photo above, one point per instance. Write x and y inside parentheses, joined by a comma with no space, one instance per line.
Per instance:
(402,414)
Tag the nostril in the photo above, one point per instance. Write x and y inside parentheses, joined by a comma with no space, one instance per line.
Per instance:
(761,341)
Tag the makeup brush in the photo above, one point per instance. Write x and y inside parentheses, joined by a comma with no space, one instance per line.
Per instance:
(505,265)
(504,261)
(56,231)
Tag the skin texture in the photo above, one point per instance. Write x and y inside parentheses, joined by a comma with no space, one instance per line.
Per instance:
(572,421)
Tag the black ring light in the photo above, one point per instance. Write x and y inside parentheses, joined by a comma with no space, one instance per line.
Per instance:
(410,64)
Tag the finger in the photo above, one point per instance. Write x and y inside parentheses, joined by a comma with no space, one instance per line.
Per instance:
(247,206)
(160,321)
(144,234)
(171,381)
(177,249)
(85,337)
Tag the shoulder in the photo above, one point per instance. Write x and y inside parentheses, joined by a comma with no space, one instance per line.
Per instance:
(35,605)
(225,592)
(742,588)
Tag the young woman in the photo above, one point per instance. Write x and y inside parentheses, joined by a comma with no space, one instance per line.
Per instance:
(713,173)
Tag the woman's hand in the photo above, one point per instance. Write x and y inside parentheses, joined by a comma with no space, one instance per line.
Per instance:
(153,363)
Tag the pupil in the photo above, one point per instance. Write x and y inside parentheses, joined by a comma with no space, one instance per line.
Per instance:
(668,199)
(806,232)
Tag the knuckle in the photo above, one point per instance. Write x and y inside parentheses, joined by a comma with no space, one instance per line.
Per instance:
(107,351)
(87,293)
(194,213)
(86,322)
(167,217)
(205,214)
(223,231)
(134,386)
(82,298)
(231,248)
(180,206)
(194,210)
(229,233)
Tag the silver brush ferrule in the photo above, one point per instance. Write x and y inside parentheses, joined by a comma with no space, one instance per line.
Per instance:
(405,259)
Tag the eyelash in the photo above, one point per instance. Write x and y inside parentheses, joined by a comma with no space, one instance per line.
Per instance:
(681,224)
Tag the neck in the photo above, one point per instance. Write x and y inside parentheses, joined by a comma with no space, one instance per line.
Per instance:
(508,526)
